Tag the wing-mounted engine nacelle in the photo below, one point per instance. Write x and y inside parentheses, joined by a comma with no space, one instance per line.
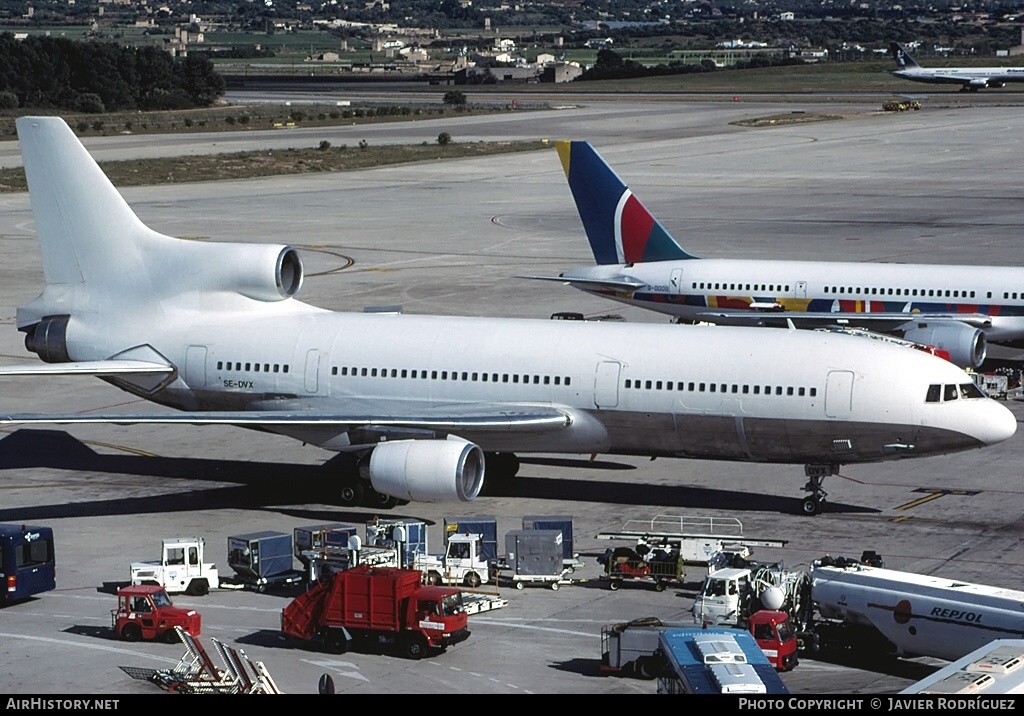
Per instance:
(49,339)
(428,470)
(258,271)
(967,346)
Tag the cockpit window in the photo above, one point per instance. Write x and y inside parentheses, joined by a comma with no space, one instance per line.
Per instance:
(950,392)
(934,393)
(970,390)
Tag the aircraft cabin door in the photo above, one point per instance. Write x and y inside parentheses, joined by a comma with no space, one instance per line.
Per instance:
(801,289)
(606,384)
(195,367)
(676,281)
(839,394)
(312,371)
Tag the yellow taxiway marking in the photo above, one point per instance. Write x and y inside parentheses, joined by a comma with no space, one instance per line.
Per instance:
(934,494)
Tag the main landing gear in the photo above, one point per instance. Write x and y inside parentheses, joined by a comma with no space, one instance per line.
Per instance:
(816,474)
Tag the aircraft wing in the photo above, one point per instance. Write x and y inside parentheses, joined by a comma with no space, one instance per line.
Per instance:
(449,419)
(812,319)
(613,283)
(96,367)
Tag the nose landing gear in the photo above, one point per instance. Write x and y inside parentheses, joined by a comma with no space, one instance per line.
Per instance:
(816,474)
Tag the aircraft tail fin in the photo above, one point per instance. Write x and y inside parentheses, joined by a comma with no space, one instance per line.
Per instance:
(98,255)
(620,229)
(903,59)
(87,233)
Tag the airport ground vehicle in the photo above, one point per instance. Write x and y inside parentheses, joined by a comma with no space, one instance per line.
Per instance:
(385,533)
(714,661)
(378,605)
(27,564)
(317,538)
(462,562)
(853,604)
(699,540)
(181,568)
(485,526)
(658,567)
(145,611)
(532,556)
(896,105)
(262,560)
(991,669)
(631,647)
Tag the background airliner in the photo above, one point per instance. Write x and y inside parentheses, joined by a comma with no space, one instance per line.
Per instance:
(971,79)
(427,402)
(956,309)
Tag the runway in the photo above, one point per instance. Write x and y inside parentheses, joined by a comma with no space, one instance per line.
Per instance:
(936,186)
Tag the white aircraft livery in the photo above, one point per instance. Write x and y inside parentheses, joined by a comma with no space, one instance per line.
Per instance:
(214,331)
(970,79)
(956,311)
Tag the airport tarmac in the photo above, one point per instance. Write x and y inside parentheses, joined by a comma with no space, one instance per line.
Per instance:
(935,186)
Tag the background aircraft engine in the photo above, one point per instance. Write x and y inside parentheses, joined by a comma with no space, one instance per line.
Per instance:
(428,470)
(263,273)
(967,346)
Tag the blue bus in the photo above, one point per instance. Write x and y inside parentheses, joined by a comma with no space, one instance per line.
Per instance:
(26,562)
(715,661)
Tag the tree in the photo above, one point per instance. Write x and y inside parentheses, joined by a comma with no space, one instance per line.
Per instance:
(444,138)
(455,97)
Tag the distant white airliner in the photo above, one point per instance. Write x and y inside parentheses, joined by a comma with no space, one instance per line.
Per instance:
(213,330)
(971,79)
(957,310)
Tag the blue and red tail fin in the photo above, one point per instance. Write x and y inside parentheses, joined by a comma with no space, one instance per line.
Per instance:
(619,227)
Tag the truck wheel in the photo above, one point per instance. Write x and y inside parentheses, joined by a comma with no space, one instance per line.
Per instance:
(520,584)
(644,668)
(131,632)
(171,637)
(433,578)
(613,585)
(659,586)
(472,580)
(198,588)
(336,643)
(416,646)
(554,586)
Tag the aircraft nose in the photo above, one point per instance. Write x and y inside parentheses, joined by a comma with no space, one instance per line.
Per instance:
(997,425)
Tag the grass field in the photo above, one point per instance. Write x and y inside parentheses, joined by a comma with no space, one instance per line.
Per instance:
(247,165)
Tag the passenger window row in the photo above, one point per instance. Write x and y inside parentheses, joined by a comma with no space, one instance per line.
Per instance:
(468,376)
(930,292)
(680,386)
(741,286)
(252,367)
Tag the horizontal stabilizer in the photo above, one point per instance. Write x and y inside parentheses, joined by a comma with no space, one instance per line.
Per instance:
(621,283)
(96,367)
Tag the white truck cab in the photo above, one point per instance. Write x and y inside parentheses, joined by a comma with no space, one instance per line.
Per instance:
(180,568)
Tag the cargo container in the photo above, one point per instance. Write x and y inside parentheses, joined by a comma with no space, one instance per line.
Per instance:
(262,560)
(532,556)
(570,557)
